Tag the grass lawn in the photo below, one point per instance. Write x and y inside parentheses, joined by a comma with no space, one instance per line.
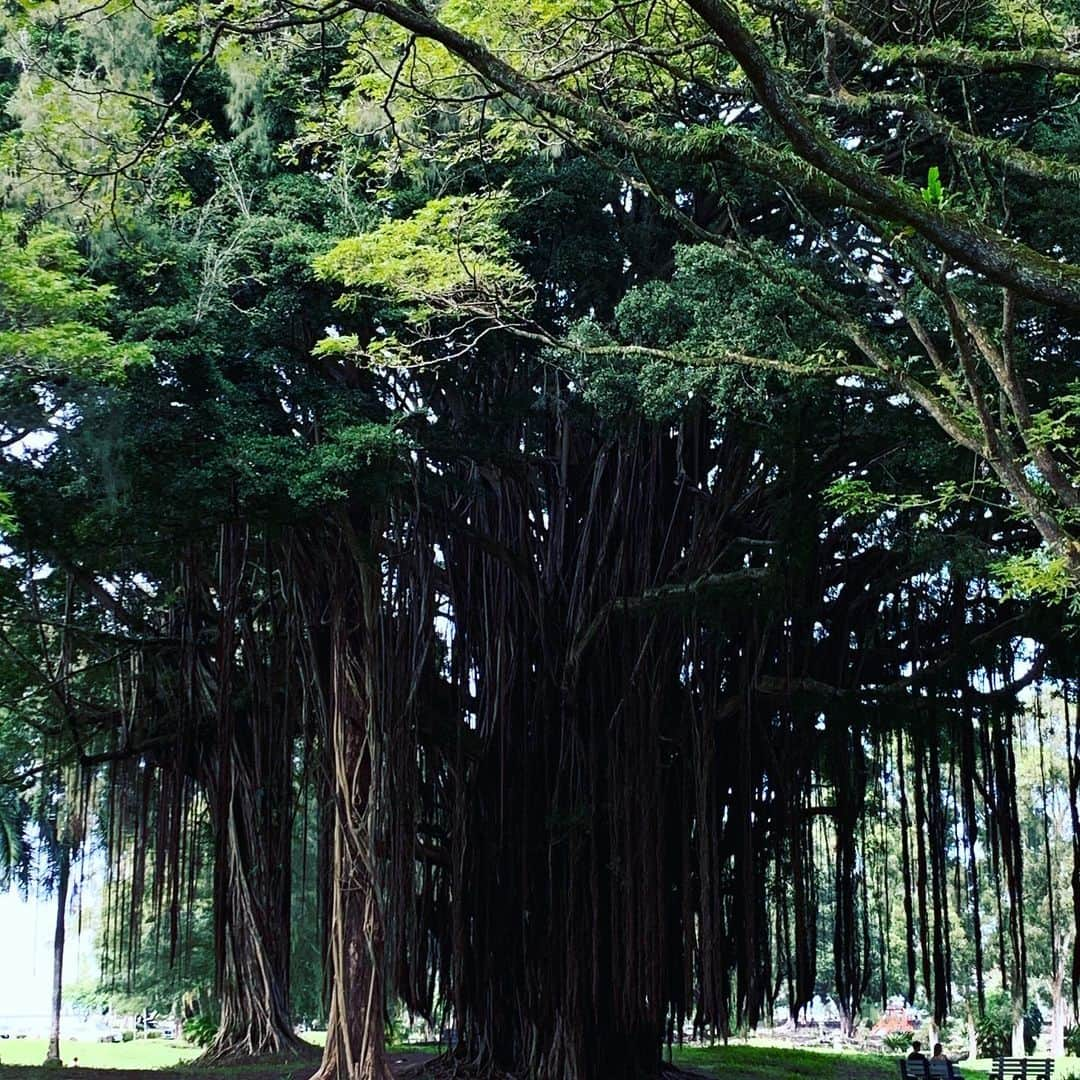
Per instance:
(20,1059)
(138,1054)
(783,1063)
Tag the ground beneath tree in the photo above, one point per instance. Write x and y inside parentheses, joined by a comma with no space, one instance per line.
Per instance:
(405,1065)
(402,1064)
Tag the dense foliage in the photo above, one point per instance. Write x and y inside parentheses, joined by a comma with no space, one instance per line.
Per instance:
(559,519)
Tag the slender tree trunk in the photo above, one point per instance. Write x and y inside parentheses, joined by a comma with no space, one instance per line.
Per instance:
(1057,1005)
(939,883)
(908,887)
(1072,756)
(52,1055)
(923,878)
(971,831)
(1018,1048)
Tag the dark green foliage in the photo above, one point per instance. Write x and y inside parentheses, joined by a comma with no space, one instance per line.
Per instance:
(993,1030)
(200,1030)
(1072,1040)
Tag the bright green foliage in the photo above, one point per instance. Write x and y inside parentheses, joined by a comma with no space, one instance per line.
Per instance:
(1038,573)
(50,311)
(898,1041)
(856,497)
(934,193)
(450,257)
(7,518)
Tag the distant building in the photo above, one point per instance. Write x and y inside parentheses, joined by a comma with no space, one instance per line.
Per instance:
(895,1018)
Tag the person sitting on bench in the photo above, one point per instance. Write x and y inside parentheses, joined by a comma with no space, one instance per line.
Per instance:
(914,1066)
(942,1065)
(916,1051)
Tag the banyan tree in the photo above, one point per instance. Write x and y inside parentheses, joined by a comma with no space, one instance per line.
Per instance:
(601,731)
(552,579)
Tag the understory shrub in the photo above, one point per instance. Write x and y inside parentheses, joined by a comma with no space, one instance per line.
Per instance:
(200,1030)
(897,1041)
(993,1030)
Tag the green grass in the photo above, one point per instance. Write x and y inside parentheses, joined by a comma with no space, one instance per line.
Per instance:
(781,1063)
(732,1061)
(146,1054)
(138,1054)
(784,1063)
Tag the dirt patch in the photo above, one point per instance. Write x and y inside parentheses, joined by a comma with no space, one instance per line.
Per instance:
(408,1064)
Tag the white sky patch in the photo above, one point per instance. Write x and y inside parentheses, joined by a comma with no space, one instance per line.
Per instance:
(26,932)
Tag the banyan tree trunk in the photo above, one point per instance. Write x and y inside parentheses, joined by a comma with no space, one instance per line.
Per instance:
(248,781)
(565,837)
(355,929)
(850,788)
(252,915)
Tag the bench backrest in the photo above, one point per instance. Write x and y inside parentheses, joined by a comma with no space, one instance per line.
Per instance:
(1006,1068)
(914,1069)
(940,1070)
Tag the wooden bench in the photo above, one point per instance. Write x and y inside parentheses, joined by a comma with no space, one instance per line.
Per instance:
(925,1069)
(914,1069)
(1015,1068)
(942,1070)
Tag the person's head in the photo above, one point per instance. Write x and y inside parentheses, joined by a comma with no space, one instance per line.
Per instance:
(916,1046)
(937,1049)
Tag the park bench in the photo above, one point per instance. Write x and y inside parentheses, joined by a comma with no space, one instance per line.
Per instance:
(941,1070)
(1016,1068)
(924,1069)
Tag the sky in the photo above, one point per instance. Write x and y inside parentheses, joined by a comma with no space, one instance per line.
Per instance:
(26,930)
(25,944)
